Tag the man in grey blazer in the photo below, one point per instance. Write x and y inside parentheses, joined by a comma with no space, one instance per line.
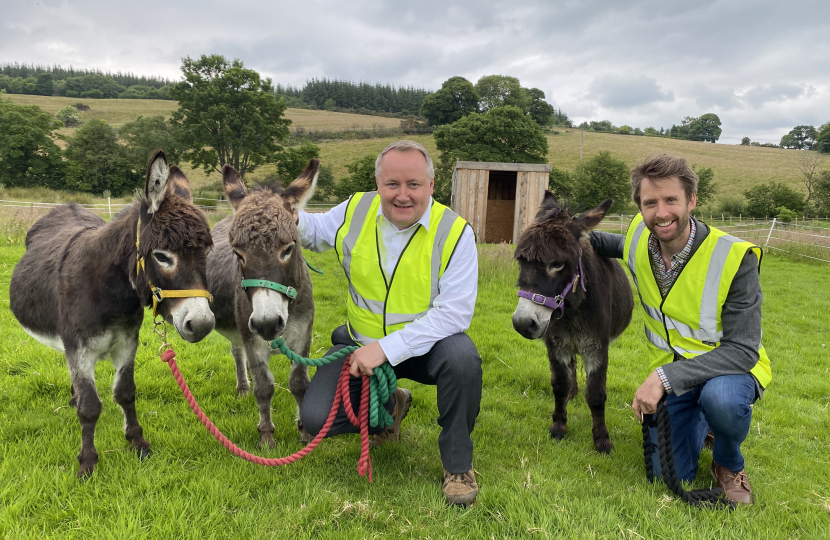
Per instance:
(701,295)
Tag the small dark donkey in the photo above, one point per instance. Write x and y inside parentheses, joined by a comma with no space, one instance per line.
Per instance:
(260,242)
(577,301)
(80,290)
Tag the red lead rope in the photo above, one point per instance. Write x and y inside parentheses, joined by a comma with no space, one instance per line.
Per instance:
(364,465)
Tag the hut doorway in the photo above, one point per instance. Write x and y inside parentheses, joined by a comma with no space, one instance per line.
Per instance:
(501,205)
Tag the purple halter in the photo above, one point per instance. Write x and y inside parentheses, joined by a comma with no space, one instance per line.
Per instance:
(558,301)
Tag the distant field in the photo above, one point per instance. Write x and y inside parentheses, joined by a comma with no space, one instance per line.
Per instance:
(736,167)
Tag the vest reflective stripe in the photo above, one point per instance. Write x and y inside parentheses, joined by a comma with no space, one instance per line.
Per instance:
(380,304)
(688,321)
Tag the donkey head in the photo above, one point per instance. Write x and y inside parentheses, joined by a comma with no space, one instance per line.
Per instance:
(173,242)
(266,243)
(549,253)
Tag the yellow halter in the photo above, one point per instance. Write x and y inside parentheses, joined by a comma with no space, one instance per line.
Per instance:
(159,294)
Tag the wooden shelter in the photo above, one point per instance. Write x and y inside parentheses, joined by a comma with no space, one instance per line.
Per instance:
(499,200)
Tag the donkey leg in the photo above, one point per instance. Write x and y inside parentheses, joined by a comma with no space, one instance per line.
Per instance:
(123,393)
(298,382)
(596,368)
(561,382)
(73,401)
(574,382)
(242,384)
(258,352)
(81,366)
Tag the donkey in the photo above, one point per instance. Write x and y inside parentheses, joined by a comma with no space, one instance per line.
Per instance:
(577,301)
(260,242)
(81,286)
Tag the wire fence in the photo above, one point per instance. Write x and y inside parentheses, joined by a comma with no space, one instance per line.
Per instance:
(802,238)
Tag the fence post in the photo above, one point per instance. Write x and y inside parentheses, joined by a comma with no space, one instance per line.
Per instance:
(621,220)
(109,207)
(770,232)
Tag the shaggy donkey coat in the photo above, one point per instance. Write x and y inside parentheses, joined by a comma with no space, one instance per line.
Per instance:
(260,241)
(77,289)
(548,253)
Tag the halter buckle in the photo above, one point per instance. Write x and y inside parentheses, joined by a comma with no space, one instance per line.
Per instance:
(540,302)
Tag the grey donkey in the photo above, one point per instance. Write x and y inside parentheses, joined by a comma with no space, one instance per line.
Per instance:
(260,242)
(80,290)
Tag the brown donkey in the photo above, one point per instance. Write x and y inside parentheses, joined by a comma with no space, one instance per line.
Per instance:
(260,243)
(577,301)
(81,286)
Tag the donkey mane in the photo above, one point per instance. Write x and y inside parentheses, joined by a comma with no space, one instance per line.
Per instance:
(176,225)
(260,222)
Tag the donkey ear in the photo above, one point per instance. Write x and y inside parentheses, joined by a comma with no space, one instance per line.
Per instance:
(156,181)
(177,183)
(297,194)
(234,187)
(549,203)
(590,219)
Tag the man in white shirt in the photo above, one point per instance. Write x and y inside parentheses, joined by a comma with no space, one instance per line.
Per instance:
(412,267)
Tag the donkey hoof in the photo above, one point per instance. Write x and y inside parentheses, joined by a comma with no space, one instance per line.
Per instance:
(267,440)
(143,452)
(305,436)
(73,402)
(604,446)
(85,472)
(558,432)
(243,391)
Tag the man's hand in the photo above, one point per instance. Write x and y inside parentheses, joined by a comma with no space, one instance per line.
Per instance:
(366,359)
(648,396)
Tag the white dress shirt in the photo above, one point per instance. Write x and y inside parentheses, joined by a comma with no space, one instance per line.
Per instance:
(452,309)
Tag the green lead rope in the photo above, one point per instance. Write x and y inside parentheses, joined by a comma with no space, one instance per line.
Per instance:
(381,384)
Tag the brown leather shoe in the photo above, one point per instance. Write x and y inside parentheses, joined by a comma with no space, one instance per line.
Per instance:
(460,489)
(734,485)
(709,441)
(403,399)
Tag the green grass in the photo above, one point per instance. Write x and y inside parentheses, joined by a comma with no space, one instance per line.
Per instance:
(531,486)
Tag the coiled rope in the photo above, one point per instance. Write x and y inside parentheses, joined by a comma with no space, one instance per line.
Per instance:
(701,498)
(373,389)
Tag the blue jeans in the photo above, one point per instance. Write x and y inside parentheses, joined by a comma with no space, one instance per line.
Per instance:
(722,405)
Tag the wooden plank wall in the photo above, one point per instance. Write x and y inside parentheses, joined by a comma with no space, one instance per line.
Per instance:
(471,197)
(530,191)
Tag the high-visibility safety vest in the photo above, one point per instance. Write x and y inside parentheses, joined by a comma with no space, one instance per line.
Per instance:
(378,304)
(688,321)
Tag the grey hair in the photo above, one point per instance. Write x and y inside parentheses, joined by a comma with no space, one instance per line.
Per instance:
(405,145)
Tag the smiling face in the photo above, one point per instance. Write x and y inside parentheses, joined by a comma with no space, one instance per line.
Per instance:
(666,212)
(404,187)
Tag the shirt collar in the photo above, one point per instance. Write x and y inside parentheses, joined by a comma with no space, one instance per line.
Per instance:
(423,221)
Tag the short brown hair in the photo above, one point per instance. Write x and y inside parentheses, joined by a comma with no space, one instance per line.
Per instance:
(663,166)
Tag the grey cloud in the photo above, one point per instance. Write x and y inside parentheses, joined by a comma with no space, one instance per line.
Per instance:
(615,92)
(759,95)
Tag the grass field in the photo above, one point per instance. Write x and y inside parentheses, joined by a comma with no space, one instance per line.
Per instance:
(531,486)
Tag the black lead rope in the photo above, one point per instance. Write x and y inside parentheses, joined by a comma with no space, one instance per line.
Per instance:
(701,498)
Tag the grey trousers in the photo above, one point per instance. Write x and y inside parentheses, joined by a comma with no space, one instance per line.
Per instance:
(453,365)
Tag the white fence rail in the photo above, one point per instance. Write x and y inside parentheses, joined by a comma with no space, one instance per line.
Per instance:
(113,208)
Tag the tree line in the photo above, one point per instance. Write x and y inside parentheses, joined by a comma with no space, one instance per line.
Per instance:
(346,96)
(803,137)
(70,82)
(705,128)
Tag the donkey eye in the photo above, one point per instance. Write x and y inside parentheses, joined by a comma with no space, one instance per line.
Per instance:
(286,253)
(555,267)
(162,258)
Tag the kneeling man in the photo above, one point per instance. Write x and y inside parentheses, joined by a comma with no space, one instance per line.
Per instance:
(701,293)
(412,268)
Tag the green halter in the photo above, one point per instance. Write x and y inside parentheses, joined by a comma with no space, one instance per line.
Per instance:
(290,292)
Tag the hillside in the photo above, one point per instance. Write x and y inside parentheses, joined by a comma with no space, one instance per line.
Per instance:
(736,167)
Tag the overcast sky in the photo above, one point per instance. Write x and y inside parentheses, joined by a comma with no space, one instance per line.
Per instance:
(762,66)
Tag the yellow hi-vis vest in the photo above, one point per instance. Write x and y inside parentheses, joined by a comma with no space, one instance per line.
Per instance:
(378,304)
(688,321)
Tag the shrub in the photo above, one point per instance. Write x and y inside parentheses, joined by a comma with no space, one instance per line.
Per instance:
(764,200)
(732,206)
(786,215)
(69,116)
(96,161)
(92,94)
(599,178)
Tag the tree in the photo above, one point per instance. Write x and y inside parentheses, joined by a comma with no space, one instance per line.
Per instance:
(800,138)
(823,139)
(361,177)
(69,116)
(560,183)
(28,153)
(45,85)
(292,161)
(821,194)
(146,134)
(503,134)
(706,128)
(745,141)
(809,168)
(765,200)
(624,130)
(602,177)
(706,187)
(540,110)
(500,90)
(455,99)
(228,114)
(325,184)
(96,161)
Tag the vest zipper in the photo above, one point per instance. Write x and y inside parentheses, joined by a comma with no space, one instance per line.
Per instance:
(394,271)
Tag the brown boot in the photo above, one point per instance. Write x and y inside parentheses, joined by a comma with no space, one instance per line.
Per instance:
(460,489)
(709,441)
(403,399)
(734,485)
